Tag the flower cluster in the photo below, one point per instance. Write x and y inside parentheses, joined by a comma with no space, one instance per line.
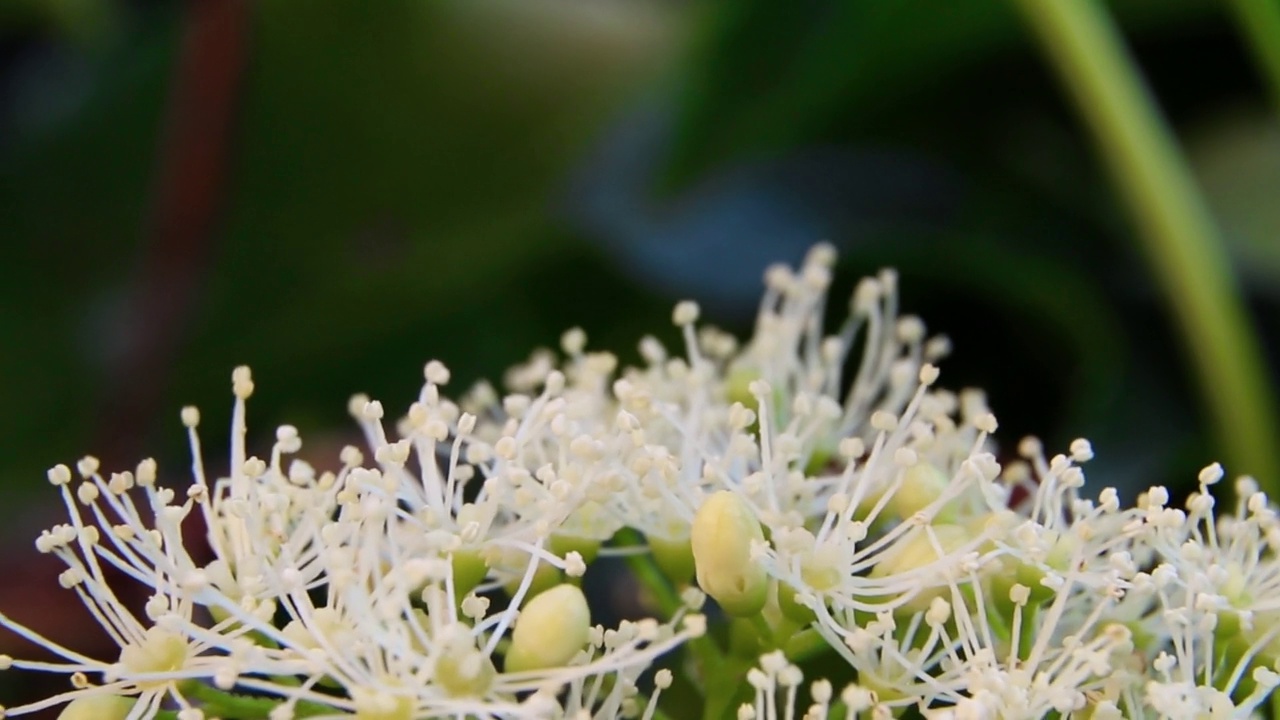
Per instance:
(820,487)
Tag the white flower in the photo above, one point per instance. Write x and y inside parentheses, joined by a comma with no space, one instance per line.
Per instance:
(261,520)
(402,641)
(436,573)
(160,651)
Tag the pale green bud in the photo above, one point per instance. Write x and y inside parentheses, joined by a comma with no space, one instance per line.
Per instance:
(466,676)
(723,530)
(1061,547)
(916,550)
(159,651)
(922,483)
(98,707)
(550,630)
(374,705)
(464,671)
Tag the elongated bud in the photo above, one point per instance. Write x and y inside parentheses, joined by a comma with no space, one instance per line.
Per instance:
(98,707)
(723,530)
(550,630)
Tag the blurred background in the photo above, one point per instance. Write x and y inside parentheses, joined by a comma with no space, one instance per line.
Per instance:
(336,191)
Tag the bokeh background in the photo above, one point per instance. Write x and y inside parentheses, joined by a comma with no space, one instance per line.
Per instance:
(335,191)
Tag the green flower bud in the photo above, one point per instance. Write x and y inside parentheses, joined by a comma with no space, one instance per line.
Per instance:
(544,578)
(381,706)
(563,544)
(1235,589)
(791,608)
(674,558)
(159,651)
(822,568)
(723,530)
(514,563)
(336,631)
(922,483)
(820,460)
(98,707)
(738,386)
(464,671)
(916,550)
(469,570)
(465,676)
(550,630)
(1058,558)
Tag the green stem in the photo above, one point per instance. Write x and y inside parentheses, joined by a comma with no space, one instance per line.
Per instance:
(1177,233)
(217,703)
(1259,20)
(768,639)
(804,645)
(707,657)
(724,687)
(649,574)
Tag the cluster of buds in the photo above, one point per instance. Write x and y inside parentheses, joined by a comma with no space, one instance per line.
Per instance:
(865,515)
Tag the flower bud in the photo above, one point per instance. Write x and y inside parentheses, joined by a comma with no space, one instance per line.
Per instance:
(158,651)
(916,550)
(922,483)
(737,386)
(723,530)
(550,630)
(791,606)
(468,675)
(515,562)
(468,569)
(1062,545)
(98,707)
(564,543)
(375,705)
(462,670)
(674,558)
(544,578)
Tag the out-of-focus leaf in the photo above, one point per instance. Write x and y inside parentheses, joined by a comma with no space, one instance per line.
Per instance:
(82,21)
(764,76)
(1237,161)
(712,240)
(391,179)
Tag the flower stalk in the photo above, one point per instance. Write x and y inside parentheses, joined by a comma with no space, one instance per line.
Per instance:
(1177,232)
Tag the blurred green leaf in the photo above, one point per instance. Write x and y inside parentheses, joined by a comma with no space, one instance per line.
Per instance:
(394,171)
(1236,158)
(85,22)
(764,76)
